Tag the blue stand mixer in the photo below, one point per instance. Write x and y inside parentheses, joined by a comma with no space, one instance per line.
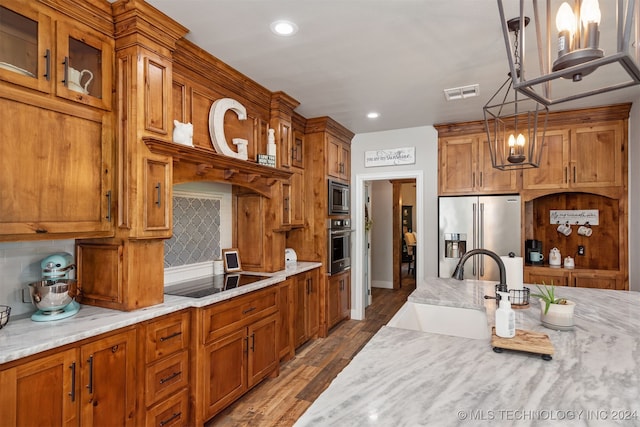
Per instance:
(54,295)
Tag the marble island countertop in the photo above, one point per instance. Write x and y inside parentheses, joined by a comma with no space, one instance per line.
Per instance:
(409,378)
(24,337)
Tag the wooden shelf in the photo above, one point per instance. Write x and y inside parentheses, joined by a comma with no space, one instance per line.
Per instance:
(191,163)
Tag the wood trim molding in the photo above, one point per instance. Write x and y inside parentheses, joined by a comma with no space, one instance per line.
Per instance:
(555,119)
(195,163)
(327,124)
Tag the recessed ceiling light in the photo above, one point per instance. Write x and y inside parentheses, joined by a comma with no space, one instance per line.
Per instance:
(373,115)
(284,28)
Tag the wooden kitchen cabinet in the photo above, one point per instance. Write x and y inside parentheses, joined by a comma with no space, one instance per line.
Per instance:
(44,48)
(237,346)
(42,392)
(581,278)
(286,294)
(107,380)
(307,305)
(26,38)
(164,356)
(339,303)
(579,157)
(55,153)
(338,158)
(297,199)
(465,167)
(87,54)
(89,384)
(546,275)
(120,274)
(297,151)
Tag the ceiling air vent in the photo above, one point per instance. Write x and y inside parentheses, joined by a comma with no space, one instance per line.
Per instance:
(461,92)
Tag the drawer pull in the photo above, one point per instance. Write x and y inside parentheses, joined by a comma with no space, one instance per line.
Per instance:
(171,418)
(72,393)
(249,310)
(175,334)
(170,377)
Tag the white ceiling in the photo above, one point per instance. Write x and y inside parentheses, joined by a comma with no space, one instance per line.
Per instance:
(350,57)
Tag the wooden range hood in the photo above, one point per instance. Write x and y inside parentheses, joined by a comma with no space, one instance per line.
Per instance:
(201,164)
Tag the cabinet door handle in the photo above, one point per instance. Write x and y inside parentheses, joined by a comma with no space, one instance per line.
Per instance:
(566,174)
(308,286)
(72,393)
(170,377)
(248,310)
(480,179)
(175,334)
(66,71)
(253,342)
(108,217)
(473,179)
(90,385)
(574,174)
(171,418)
(158,194)
(47,64)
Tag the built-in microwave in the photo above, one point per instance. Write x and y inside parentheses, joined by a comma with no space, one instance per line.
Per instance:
(339,198)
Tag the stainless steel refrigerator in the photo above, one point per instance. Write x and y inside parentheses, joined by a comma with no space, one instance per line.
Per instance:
(470,222)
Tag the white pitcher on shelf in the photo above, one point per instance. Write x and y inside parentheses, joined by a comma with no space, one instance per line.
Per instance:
(74,80)
(555,258)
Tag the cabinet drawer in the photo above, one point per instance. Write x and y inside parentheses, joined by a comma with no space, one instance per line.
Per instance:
(166,376)
(166,336)
(172,412)
(226,317)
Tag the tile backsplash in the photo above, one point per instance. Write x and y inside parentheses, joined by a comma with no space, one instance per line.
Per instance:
(20,265)
(196,231)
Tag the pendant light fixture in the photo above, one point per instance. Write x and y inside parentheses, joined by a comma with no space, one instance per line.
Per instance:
(581,49)
(515,124)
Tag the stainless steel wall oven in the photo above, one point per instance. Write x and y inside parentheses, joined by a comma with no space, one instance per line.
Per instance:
(339,245)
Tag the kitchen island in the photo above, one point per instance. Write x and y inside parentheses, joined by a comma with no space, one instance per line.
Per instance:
(408,378)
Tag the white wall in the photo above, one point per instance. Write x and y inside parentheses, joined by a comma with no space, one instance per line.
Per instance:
(382,234)
(634,197)
(20,265)
(425,171)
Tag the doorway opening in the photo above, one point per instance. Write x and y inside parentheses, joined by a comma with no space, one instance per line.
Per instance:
(361,262)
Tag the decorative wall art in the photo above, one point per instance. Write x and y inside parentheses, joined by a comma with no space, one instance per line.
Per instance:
(216,128)
(391,157)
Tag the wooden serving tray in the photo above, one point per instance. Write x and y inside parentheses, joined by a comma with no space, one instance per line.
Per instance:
(528,341)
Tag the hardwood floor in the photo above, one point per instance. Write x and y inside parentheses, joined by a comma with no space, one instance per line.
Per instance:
(281,401)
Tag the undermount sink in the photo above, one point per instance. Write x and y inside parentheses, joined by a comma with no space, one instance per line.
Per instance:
(439,319)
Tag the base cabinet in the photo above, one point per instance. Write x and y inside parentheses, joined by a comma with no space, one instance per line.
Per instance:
(306,307)
(52,376)
(92,384)
(236,347)
(164,376)
(339,295)
(581,278)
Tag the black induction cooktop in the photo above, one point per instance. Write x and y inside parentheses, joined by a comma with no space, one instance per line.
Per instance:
(210,285)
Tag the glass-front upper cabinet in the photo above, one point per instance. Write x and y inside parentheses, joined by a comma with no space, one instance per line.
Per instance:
(78,63)
(84,62)
(25,45)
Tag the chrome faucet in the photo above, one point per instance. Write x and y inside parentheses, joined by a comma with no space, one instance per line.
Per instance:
(458,273)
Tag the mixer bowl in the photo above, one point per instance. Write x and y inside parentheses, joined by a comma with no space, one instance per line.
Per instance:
(50,296)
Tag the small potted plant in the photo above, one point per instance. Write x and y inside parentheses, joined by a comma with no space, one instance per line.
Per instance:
(555,313)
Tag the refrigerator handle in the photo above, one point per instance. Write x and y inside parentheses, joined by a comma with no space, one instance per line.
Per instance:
(475,236)
(481,239)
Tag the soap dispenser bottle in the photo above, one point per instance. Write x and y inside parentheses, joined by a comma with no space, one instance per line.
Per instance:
(505,317)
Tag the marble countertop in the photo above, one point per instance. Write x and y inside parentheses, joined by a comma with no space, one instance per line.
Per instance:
(24,337)
(410,378)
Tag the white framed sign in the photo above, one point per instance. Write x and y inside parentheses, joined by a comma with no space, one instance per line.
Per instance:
(575,217)
(390,157)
